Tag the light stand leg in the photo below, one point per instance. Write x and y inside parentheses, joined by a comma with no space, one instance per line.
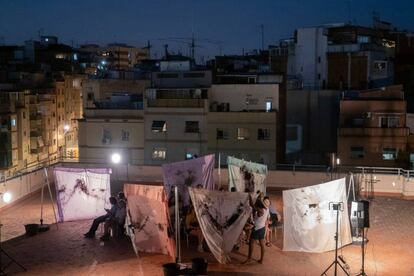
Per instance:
(335,263)
(362,273)
(51,198)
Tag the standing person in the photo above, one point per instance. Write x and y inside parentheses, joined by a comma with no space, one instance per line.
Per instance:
(259,230)
(193,227)
(272,221)
(110,213)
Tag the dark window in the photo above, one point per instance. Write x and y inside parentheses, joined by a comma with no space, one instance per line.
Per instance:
(357,152)
(263,134)
(193,75)
(222,134)
(125,135)
(191,127)
(159,126)
(106,137)
(167,76)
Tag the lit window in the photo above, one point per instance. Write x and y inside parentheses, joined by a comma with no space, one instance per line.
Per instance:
(159,126)
(263,134)
(242,133)
(268,106)
(222,134)
(191,127)
(357,152)
(389,153)
(13,122)
(159,154)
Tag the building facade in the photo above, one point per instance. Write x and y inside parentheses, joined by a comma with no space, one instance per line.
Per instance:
(113,121)
(373,129)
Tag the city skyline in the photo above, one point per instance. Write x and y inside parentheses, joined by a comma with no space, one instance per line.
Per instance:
(230,27)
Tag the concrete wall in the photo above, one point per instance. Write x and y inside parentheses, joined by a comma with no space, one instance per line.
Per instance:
(310,56)
(24,185)
(249,149)
(237,94)
(92,149)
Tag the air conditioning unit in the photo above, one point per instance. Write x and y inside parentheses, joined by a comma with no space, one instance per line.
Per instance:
(367,115)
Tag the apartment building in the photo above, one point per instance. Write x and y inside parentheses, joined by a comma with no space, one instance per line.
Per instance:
(113,121)
(372,130)
(242,118)
(176,108)
(8,131)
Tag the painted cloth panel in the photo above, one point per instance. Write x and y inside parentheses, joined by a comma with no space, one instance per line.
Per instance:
(309,224)
(189,173)
(81,194)
(246,175)
(221,216)
(148,220)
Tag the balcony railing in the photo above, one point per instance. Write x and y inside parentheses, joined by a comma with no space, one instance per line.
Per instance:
(189,103)
(374,131)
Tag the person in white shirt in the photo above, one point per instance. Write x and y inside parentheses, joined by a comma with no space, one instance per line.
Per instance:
(260,219)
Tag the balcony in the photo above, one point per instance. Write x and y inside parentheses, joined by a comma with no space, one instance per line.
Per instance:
(173,103)
(118,105)
(374,132)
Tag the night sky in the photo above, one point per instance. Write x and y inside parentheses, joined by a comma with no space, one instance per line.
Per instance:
(235,22)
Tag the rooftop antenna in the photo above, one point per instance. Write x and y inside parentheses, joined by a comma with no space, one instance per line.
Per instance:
(192,47)
(148,47)
(166,50)
(40,33)
(262,34)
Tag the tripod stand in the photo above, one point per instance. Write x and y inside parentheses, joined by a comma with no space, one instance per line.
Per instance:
(12,260)
(339,207)
(362,273)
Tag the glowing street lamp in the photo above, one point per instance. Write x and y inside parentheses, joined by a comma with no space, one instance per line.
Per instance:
(66,127)
(116,158)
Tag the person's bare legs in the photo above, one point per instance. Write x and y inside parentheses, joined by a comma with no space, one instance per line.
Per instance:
(262,250)
(249,256)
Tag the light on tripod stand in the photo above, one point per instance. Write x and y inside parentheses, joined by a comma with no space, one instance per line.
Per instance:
(7,197)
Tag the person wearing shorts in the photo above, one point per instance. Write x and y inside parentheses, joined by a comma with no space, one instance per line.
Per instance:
(259,231)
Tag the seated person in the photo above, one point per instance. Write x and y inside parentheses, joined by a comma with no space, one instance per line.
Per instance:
(109,214)
(193,228)
(118,221)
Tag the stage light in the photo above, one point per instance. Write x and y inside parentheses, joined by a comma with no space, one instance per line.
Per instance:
(7,197)
(116,158)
